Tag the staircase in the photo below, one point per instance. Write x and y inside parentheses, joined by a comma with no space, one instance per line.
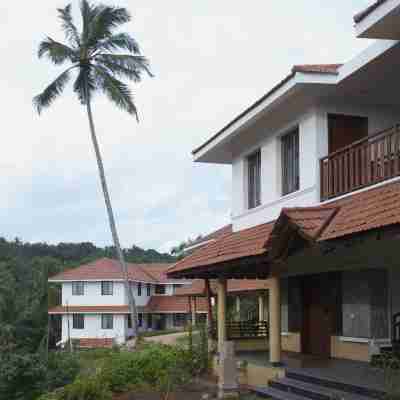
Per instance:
(301,386)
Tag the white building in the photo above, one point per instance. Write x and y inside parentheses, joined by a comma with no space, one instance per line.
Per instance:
(94,306)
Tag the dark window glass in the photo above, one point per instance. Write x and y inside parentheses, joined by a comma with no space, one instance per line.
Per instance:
(78,321)
(139,289)
(107,321)
(129,322)
(148,288)
(160,289)
(149,321)
(179,319)
(254,179)
(106,288)
(78,288)
(290,163)
(140,320)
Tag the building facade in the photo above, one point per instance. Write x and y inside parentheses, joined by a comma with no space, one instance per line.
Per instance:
(94,303)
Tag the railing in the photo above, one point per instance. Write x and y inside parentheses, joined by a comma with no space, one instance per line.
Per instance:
(244,329)
(396,332)
(361,164)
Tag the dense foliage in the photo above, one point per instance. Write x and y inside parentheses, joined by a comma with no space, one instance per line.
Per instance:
(25,367)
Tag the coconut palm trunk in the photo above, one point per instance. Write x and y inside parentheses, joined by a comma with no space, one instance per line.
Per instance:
(111,220)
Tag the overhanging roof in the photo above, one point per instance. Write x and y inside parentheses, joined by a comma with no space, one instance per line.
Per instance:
(238,255)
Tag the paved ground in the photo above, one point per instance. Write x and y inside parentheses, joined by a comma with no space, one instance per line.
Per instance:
(165,339)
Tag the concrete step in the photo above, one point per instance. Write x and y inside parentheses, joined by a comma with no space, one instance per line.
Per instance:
(313,391)
(328,383)
(271,393)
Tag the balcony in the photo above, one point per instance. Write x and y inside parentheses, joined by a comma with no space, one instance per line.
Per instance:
(361,164)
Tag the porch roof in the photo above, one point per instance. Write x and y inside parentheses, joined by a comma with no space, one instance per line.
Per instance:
(258,246)
(198,288)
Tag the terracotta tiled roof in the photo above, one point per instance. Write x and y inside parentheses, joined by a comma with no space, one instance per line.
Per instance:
(374,208)
(212,236)
(89,310)
(108,269)
(317,68)
(361,15)
(197,288)
(245,243)
(308,68)
(173,304)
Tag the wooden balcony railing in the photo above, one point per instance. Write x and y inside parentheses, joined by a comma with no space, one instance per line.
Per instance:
(244,329)
(361,164)
(396,332)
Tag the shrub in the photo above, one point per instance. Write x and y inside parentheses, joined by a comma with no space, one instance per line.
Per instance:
(87,388)
(62,368)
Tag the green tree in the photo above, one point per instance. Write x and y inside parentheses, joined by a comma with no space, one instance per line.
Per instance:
(92,54)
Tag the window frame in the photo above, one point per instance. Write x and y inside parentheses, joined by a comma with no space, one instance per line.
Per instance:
(163,291)
(75,286)
(139,288)
(253,161)
(290,161)
(107,292)
(148,289)
(104,321)
(78,324)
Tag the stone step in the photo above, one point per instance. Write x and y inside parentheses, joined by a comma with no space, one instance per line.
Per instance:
(313,391)
(335,384)
(271,393)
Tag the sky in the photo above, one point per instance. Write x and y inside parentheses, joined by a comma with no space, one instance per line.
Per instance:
(211,59)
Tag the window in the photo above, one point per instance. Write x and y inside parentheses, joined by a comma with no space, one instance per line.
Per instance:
(78,288)
(78,321)
(107,321)
(129,322)
(140,320)
(148,288)
(179,320)
(254,179)
(106,288)
(290,162)
(139,289)
(160,289)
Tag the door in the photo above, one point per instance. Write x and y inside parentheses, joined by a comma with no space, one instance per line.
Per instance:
(345,130)
(318,317)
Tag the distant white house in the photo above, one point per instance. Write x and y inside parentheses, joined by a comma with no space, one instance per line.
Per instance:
(94,306)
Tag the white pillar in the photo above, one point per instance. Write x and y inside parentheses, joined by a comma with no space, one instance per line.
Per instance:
(237,308)
(275,321)
(261,316)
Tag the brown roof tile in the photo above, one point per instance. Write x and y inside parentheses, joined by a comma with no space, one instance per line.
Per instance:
(317,68)
(248,242)
(173,304)
(363,211)
(361,15)
(109,269)
(89,309)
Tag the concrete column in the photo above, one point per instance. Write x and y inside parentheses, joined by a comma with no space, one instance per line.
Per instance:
(275,321)
(221,314)
(237,308)
(261,313)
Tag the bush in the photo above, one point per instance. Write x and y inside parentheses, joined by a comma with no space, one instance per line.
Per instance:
(157,366)
(62,368)
(87,388)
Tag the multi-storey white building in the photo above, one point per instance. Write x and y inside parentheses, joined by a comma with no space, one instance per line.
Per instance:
(94,306)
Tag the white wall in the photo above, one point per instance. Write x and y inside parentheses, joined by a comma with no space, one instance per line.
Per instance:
(92,295)
(93,328)
(313,144)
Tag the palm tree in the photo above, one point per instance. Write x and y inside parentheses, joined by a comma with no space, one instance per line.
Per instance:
(92,54)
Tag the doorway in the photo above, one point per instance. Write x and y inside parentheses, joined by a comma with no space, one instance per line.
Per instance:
(320,313)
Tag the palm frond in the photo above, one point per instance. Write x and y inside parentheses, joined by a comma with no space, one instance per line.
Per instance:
(54,90)
(119,41)
(57,52)
(117,91)
(125,65)
(106,20)
(87,13)
(85,84)
(70,30)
